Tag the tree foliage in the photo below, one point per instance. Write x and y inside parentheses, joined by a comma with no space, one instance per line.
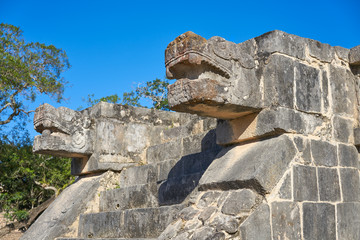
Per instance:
(27,180)
(154,91)
(27,69)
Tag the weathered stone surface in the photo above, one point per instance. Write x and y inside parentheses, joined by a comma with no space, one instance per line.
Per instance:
(138,196)
(321,51)
(278,41)
(303,146)
(203,233)
(279,81)
(319,221)
(285,218)
(285,189)
(349,178)
(343,129)
(257,225)
(165,151)
(138,175)
(348,156)
(239,201)
(348,220)
(308,92)
(354,55)
(342,53)
(342,86)
(357,136)
(207,213)
(305,183)
(225,223)
(257,165)
(188,213)
(208,199)
(132,223)
(268,122)
(329,187)
(324,153)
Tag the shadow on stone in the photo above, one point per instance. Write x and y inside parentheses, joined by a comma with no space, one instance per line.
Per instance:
(184,177)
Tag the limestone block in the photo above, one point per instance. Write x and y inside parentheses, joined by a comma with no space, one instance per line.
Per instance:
(138,175)
(257,165)
(329,187)
(203,233)
(138,196)
(208,199)
(164,152)
(319,221)
(279,81)
(278,41)
(343,129)
(304,147)
(257,225)
(305,183)
(348,156)
(225,223)
(354,55)
(101,225)
(268,122)
(342,53)
(239,201)
(308,91)
(322,51)
(348,219)
(349,178)
(324,153)
(357,136)
(285,191)
(342,87)
(285,217)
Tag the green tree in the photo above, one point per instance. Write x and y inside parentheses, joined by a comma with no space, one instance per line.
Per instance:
(155,91)
(27,69)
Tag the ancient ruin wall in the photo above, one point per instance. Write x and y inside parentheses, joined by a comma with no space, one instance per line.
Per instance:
(282,163)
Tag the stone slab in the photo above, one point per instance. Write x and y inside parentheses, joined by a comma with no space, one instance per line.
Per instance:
(348,220)
(305,183)
(257,225)
(257,165)
(324,153)
(350,184)
(319,221)
(285,217)
(354,55)
(329,187)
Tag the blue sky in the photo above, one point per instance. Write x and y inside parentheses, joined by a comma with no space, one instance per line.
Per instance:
(113,45)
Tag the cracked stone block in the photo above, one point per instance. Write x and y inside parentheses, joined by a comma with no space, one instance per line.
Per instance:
(257,225)
(207,213)
(285,218)
(305,183)
(329,187)
(239,201)
(319,221)
(303,146)
(350,185)
(348,221)
(324,153)
(348,156)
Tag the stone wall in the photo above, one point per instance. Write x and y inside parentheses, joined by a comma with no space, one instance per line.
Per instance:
(280,162)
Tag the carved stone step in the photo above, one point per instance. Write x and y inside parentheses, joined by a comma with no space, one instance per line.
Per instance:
(131,223)
(138,196)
